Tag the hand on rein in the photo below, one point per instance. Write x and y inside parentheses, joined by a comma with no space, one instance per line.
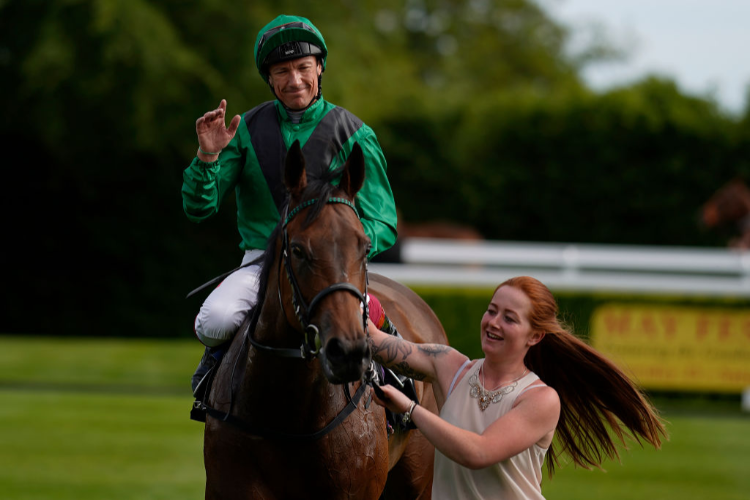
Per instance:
(393,399)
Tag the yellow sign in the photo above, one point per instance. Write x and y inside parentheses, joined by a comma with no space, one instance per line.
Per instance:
(676,348)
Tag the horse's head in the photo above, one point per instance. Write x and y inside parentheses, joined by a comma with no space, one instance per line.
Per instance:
(324,248)
(729,204)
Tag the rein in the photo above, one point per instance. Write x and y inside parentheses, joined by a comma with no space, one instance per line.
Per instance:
(310,347)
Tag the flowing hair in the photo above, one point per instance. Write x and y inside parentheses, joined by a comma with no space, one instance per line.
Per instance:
(598,402)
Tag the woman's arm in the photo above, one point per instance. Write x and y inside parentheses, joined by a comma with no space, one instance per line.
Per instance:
(428,362)
(533,417)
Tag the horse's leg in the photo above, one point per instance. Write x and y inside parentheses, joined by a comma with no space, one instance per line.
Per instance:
(225,451)
(233,472)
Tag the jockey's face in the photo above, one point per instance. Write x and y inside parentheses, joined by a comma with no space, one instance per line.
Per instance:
(295,82)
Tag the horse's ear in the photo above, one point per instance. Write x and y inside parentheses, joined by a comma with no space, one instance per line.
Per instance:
(295,177)
(354,172)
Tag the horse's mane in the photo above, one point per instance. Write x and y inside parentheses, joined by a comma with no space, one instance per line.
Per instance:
(320,188)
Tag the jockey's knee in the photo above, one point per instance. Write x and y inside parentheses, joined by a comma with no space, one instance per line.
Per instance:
(218,322)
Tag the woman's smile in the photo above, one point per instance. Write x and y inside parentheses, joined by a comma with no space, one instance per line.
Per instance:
(493,336)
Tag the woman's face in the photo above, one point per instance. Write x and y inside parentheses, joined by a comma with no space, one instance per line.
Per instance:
(505,324)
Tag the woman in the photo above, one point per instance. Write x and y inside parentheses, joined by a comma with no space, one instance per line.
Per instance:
(498,415)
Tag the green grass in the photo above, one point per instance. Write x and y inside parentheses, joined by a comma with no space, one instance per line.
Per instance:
(706,458)
(98,419)
(108,419)
(99,363)
(67,445)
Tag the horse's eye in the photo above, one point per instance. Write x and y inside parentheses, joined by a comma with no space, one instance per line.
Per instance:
(298,252)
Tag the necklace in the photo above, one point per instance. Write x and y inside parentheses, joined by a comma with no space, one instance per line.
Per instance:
(485,397)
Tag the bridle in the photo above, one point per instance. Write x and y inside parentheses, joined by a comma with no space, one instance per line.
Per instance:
(310,347)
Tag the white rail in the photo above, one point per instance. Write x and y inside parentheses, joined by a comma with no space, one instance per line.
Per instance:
(581,267)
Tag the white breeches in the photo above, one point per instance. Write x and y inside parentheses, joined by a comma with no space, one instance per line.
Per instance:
(227,306)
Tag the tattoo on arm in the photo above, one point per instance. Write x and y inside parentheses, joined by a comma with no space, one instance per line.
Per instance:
(394,353)
(390,350)
(404,369)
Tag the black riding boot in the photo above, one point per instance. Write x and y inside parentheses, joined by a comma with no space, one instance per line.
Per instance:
(210,359)
(202,378)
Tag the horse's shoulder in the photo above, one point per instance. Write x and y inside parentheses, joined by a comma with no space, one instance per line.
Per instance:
(413,317)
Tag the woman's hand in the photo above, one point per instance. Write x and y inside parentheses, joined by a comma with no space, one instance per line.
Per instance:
(392,398)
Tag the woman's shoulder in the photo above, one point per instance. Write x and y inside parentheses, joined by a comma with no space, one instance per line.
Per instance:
(460,367)
(451,371)
(460,363)
(539,393)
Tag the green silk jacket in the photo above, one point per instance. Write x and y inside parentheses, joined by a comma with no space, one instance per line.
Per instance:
(206,184)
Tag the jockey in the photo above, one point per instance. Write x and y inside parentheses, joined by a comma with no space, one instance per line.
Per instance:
(248,157)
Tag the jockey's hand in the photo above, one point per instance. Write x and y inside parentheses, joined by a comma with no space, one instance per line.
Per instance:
(213,135)
(392,398)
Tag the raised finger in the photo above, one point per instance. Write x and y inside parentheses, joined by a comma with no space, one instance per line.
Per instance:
(212,115)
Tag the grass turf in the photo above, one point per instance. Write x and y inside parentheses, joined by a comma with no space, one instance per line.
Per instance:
(67,445)
(108,418)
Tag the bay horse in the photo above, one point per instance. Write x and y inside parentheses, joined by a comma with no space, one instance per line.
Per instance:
(290,414)
(730,205)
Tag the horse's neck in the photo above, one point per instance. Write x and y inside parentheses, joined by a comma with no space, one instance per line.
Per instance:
(277,326)
(272,382)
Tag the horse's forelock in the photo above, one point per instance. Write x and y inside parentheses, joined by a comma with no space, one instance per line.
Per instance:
(321,189)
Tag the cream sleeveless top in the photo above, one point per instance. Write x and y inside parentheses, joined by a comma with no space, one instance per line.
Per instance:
(519,477)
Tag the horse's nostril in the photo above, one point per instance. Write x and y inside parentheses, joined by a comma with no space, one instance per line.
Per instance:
(348,358)
(335,350)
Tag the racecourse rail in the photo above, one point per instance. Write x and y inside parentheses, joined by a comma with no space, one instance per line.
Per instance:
(572,266)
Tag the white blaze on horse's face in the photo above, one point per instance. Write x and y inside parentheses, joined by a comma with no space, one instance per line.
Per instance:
(295,82)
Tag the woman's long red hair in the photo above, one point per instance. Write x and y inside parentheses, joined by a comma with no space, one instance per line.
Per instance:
(597,400)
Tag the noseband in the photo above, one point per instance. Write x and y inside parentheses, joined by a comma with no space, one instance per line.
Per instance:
(311,344)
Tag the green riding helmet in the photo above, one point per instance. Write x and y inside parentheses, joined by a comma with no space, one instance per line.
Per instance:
(286,38)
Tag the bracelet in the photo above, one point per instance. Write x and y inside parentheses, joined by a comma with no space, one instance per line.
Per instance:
(407,415)
(207,153)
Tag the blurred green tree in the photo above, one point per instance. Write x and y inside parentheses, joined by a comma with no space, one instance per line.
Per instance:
(478,104)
